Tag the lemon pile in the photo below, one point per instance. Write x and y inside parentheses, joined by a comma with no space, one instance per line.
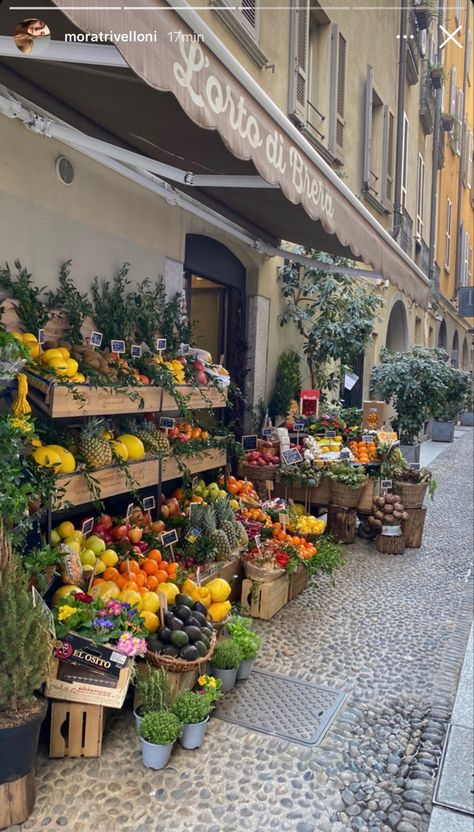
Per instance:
(29,341)
(327,445)
(54,456)
(60,362)
(308,524)
(175,367)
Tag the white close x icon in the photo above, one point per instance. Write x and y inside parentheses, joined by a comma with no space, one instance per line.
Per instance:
(450,36)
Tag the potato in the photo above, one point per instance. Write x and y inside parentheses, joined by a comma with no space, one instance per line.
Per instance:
(389,519)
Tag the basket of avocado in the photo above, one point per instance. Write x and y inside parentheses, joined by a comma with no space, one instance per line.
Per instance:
(186,638)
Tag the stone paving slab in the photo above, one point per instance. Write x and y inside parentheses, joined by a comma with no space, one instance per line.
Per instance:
(392,632)
(455,788)
(463,713)
(442,820)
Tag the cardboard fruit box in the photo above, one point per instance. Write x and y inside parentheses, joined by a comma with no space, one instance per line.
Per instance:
(85,672)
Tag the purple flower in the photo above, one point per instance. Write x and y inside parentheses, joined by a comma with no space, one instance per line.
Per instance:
(102,624)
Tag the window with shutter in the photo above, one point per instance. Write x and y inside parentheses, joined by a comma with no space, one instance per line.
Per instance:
(243,20)
(459,126)
(389,126)
(447,236)
(406,128)
(452,91)
(338,91)
(249,13)
(369,89)
(298,80)
(420,197)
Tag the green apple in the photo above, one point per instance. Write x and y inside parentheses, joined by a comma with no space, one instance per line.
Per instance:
(78,536)
(223,493)
(88,557)
(73,544)
(201,484)
(96,544)
(55,537)
(205,493)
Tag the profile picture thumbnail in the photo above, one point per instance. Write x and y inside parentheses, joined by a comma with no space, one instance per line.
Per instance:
(32,36)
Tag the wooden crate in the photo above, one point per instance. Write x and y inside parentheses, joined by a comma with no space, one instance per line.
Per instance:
(76,730)
(82,690)
(206,397)
(64,401)
(265,599)
(298,582)
(111,481)
(213,458)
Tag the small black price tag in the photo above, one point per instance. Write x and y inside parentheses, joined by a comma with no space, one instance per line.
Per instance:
(86,527)
(415,466)
(117,346)
(330,434)
(367,437)
(149,503)
(168,538)
(184,349)
(298,426)
(41,336)
(96,339)
(130,508)
(160,344)
(386,484)
(194,484)
(249,442)
(292,456)
(267,431)
(136,351)
(166,422)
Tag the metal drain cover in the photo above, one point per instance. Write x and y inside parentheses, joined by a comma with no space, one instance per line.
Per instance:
(455,786)
(289,708)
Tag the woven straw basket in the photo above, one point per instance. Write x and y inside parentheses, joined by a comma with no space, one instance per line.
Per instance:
(180,665)
(260,573)
(344,496)
(411,494)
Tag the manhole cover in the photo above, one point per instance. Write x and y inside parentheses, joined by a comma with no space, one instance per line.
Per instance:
(455,786)
(289,708)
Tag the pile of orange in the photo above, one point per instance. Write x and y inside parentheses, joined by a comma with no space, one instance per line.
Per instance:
(305,548)
(142,576)
(240,488)
(363,451)
(192,431)
(257,516)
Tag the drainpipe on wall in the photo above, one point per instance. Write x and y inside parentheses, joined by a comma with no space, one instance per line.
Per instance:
(397,208)
(457,278)
(434,166)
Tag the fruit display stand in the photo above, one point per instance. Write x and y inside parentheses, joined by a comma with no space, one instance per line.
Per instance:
(298,582)
(205,461)
(196,399)
(74,488)
(265,598)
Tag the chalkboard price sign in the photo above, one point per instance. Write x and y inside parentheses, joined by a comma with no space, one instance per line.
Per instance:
(292,456)
(386,484)
(166,422)
(117,346)
(149,503)
(160,344)
(96,339)
(415,466)
(86,527)
(136,351)
(367,437)
(249,442)
(330,434)
(169,538)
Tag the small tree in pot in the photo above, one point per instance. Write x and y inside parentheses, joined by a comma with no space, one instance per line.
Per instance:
(457,385)
(225,663)
(159,731)
(154,693)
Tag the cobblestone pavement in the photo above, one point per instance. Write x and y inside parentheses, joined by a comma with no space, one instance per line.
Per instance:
(390,632)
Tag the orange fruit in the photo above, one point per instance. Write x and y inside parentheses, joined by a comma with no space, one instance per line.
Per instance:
(128,566)
(111,574)
(140,579)
(143,589)
(152,582)
(121,581)
(204,434)
(162,576)
(131,585)
(149,566)
(231,480)
(155,555)
(97,581)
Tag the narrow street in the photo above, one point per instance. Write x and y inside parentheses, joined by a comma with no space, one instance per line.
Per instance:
(390,633)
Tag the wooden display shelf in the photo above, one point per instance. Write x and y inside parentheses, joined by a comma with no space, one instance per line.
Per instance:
(213,458)
(111,481)
(76,730)
(298,581)
(62,401)
(205,397)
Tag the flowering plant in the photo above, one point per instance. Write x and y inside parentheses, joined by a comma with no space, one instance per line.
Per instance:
(101,621)
(211,687)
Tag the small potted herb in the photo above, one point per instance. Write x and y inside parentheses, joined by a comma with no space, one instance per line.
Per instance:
(193,709)
(225,663)
(159,731)
(242,633)
(153,692)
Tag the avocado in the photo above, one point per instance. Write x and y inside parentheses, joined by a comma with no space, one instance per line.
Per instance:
(200,618)
(176,624)
(200,607)
(179,638)
(205,641)
(206,631)
(168,616)
(171,651)
(190,653)
(184,599)
(193,622)
(194,633)
(183,612)
(164,634)
(155,645)
(201,647)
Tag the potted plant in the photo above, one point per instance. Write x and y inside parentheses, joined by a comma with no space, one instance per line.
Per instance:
(437,75)
(457,384)
(467,411)
(153,692)
(193,709)
(225,663)
(347,483)
(159,731)
(25,648)
(424,11)
(412,485)
(414,382)
(242,633)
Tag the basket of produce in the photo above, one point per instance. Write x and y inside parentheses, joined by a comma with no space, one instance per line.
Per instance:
(260,465)
(346,484)
(387,514)
(186,638)
(412,485)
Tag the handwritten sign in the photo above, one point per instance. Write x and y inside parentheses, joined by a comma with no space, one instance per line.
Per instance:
(117,346)
(96,339)
(166,422)
(136,351)
(169,538)
(86,527)
(41,336)
(160,344)
(386,484)
(149,503)
(345,453)
(256,541)
(184,349)
(267,431)
(249,442)
(292,456)
(330,434)
(415,466)
(367,437)
(194,482)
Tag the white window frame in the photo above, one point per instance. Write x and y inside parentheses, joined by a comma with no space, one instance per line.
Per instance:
(452,91)
(406,137)
(469,267)
(247,35)
(467,159)
(447,235)
(459,127)
(420,197)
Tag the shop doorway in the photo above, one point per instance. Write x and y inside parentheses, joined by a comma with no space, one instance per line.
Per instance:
(397,330)
(353,398)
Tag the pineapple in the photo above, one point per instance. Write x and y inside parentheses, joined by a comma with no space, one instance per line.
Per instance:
(95,450)
(225,521)
(217,537)
(243,538)
(154,441)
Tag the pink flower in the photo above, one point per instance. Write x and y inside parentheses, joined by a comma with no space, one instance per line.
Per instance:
(131,645)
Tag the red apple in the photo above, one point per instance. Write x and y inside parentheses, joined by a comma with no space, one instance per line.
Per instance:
(99,529)
(165,512)
(173,506)
(201,378)
(158,527)
(197,364)
(135,534)
(183,437)
(106,520)
(119,531)
(173,433)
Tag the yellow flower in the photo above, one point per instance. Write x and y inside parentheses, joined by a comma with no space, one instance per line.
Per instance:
(65,612)
(202,680)
(211,682)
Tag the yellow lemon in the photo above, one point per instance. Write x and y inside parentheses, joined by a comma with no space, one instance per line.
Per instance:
(47,458)
(133,444)
(132,597)
(64,352)
(78,536)
(72,366)
(109,557)
(17,335)
(33,348)
(120,449)
(105,591)
(65,529)
(151,621)
(79,378)
(55,537)
(28,336)
(99,565)
(73,544)
(49,354)
(219,589)
(150,602)
(68,463)
(59,365)
(61,593)
(169,590)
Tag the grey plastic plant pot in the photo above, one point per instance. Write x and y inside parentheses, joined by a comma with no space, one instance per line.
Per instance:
(442,431)
(138,718)
(227,677)
(193,734)
(467,419)
(245,669)
(411,452)
(155,756)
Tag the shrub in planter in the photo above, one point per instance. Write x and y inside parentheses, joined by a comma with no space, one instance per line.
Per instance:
(159,731)
(25,648)
(193,708)
(457,384)
(225,663)
(242,633)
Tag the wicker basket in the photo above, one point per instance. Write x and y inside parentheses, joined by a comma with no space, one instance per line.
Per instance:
(412,494)
(260,573)
(180,665)
(259,472)
(343,495)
